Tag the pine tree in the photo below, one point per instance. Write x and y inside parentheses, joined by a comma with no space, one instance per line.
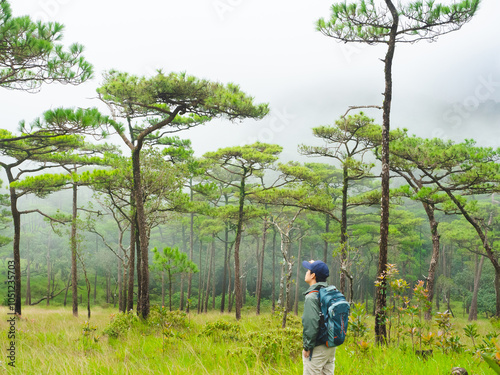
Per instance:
(167,104)
(372,23)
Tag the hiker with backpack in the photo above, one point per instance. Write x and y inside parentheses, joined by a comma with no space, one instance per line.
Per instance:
(325,319)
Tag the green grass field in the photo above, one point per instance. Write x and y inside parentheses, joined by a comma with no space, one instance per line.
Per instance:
(52,341)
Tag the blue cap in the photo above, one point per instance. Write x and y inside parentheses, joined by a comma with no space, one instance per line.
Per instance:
(318,267)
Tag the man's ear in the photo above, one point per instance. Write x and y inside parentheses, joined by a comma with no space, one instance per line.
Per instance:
(313,276)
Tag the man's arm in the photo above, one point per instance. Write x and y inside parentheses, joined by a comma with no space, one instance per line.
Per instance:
(310,321)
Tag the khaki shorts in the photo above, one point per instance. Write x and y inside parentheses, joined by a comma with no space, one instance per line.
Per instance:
(321,363)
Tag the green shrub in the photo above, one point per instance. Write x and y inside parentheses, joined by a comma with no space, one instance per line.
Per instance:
(274,345)
(447,339)
(221,330)
(358,327)
(120,324)
(160,316)
(495,322)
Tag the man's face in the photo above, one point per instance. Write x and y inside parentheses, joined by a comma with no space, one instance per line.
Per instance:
(309,276)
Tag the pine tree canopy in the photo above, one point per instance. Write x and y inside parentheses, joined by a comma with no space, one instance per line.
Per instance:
(31,55)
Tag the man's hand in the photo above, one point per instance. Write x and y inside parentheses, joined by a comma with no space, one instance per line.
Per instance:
(306,353)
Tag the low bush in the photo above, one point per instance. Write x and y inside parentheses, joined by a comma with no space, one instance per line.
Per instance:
(120,324)
(495,322)
(272,346)
(221,330)
(160,316)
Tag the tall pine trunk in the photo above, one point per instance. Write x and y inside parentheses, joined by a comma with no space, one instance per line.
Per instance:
(139,267)
(380,291)
(273,287)
(343,229)
(239,230)
(74,276)
(16,221)
(131,258)
(191,251)
(431,275)
(285,249)
(143,300)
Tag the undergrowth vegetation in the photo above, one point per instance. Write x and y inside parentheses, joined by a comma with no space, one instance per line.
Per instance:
(51,341)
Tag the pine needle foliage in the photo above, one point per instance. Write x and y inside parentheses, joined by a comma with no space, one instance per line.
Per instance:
(30,54)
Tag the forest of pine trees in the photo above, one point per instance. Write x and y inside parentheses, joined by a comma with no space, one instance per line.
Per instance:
(114,209)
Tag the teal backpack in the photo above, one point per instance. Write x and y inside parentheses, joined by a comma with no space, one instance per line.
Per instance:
(334,316)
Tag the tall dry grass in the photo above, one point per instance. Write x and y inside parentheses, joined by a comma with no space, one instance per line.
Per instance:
(52,341)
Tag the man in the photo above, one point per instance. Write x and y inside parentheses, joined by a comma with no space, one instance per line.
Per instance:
(317,358)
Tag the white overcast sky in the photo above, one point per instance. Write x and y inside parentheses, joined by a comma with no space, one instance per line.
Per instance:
(449,89)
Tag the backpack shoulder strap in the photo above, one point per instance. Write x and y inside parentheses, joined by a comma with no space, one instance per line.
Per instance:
(316,290)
